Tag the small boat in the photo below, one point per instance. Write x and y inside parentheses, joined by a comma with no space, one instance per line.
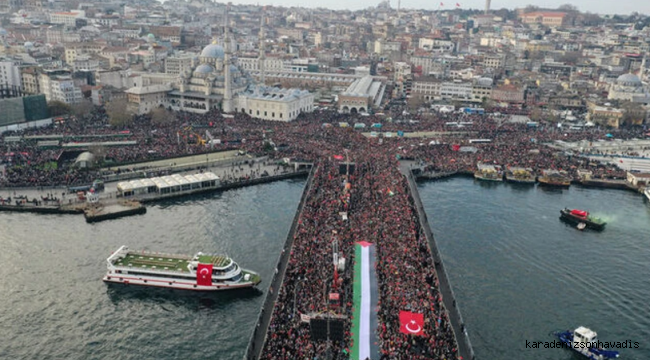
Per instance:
(554,178)
(520,175)
(582,219)
(584,341)
(646,192)
(488,172)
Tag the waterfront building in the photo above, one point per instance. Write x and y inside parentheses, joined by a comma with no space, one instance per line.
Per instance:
(361,95)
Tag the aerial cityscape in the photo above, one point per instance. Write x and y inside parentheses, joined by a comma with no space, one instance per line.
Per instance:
(191,179)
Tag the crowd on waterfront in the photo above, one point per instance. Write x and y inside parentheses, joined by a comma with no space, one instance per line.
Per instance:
(376,200)
(29,164)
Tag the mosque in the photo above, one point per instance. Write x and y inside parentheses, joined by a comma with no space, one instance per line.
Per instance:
(629,87)
(217,83)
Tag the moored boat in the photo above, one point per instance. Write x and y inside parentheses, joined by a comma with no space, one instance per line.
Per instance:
(488,172)
(520,175)
(554,178)
(585,342)
(582,219)
(200,272)
(646,192)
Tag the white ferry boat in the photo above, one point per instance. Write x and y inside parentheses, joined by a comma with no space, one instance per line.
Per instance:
(200,272)
(646,192)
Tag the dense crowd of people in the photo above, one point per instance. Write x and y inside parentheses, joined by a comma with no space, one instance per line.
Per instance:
(375,198)
(29,163)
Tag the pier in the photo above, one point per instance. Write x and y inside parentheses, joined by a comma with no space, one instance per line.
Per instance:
(110,206)
(101,212)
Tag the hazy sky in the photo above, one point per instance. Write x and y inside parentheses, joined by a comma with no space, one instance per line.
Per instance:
(598,6)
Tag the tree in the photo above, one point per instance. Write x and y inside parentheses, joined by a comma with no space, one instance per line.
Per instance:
(567,7)
(160,115)
(118,114)
(487,103)
(634,113)
(536,114)
(82,108)
(58,108)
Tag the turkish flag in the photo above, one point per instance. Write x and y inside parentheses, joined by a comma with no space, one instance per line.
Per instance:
(204,275)
(411,323)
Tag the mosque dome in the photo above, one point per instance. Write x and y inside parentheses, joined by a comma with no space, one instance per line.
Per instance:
(204,69)
(213,51)
(485,81)
(628,80)
(29,44)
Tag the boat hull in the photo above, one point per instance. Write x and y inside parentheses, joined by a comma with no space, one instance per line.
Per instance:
(560,184)
(173,284)
(566,216)
(592,353)
(484,178)
(519,180)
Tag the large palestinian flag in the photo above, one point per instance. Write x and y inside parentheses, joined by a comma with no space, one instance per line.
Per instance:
(366,297)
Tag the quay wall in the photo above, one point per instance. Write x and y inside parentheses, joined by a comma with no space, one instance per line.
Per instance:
(40,209)
(68,209)
(449,300)
(258,336)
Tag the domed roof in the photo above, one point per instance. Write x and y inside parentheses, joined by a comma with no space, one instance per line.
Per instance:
(29,44)
(628,79)
(213,51)
(204,69)
(485,81)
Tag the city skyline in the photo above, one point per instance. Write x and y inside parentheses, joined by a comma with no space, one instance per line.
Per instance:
(600,7)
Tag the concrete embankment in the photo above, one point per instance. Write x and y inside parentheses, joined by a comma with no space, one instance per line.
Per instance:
(449,300)
(110,208)
(258,337)
(113,211)
(41,209)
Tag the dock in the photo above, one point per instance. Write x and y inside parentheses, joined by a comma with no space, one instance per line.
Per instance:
(101,212)
(111,207)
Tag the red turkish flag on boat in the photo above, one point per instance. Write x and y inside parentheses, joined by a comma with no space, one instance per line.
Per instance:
(411,323)
(204,275)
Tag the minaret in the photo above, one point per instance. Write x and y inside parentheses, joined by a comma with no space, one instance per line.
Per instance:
(398,6)
(226,104)
(262,50)
(642,70)
(487,6)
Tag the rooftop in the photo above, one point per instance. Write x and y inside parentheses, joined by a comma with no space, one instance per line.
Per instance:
(169,262)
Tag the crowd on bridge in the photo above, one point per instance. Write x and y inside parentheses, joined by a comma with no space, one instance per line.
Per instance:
(374,196)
